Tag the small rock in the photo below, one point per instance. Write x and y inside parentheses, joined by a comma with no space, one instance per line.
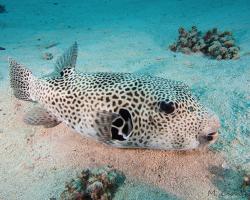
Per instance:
(225,165)
(246,180)
(2,48)
(47,56)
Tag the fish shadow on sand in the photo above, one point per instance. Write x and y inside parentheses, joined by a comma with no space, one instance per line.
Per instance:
(229,183)
(141,191)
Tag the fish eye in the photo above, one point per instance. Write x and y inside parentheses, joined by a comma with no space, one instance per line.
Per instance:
(167,107)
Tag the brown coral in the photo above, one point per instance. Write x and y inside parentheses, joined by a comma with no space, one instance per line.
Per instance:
(95,184)
(219,45)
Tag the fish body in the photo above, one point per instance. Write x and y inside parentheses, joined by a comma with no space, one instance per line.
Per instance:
(120,109)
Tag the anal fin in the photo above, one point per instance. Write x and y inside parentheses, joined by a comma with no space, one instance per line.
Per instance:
(41,117)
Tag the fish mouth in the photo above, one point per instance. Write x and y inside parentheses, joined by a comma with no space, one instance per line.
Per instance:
(210,132)
(209,138)
(212,137)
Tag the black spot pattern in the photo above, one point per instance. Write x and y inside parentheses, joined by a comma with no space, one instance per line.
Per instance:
(122,126)
(118,122)
(156,112)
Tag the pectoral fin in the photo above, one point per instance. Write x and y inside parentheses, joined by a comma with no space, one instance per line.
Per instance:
(113,128)
(103,123)
(39,116)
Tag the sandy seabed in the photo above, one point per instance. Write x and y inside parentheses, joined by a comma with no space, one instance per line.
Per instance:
(125,36)
(36,162)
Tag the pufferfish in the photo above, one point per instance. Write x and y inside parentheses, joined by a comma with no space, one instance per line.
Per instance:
(124,110)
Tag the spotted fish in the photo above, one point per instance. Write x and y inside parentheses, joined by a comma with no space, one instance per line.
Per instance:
(124,110)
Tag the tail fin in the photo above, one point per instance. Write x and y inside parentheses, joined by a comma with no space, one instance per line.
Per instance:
(20,80)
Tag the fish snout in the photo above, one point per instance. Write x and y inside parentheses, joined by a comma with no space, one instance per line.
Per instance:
(215,121)
(210,133)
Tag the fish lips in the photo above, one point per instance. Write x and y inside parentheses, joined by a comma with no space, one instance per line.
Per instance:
(208,139)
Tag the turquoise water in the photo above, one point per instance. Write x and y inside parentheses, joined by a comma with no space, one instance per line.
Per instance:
(133,36)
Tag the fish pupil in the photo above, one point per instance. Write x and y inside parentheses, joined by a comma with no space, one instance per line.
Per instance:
(167,107)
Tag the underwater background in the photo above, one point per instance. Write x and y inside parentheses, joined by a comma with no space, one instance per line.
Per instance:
(125,36)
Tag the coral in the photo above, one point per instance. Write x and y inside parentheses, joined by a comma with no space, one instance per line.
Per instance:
(219,45)
(94,184)
(2,8)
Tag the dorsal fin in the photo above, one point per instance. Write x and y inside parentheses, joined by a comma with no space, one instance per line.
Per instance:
(68,59)
(66,62)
